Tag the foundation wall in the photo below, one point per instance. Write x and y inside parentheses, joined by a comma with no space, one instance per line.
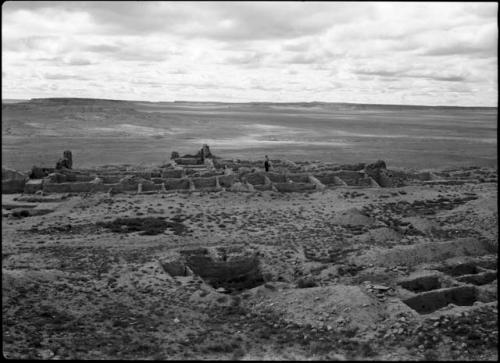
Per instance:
(298,178)
(226,181)
(50,187)
(294,187)
(13,186)
(188,161)
(263,187)
(150,187)
(349,177)
(110,179)
(176,184)
(32,186)
(169,174)
(430,301)
(276,178)
(204,182)
(255,178)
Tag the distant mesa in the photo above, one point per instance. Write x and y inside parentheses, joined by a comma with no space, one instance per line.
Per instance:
(329,105)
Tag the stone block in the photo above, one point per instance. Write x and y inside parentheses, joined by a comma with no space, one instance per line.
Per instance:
(33,185)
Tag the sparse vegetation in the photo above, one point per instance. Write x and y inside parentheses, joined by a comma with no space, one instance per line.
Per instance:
(148,226)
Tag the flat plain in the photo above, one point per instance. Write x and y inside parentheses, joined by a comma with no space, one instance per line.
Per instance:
(108,132)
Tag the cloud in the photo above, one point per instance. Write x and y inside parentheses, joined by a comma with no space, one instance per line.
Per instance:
(216,20)
(380,72)
(60,76)
(246,58)
(102,48)
(78,62)
(253,50)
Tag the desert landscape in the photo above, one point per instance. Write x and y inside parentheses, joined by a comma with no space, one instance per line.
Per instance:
(103,132)
(374,236)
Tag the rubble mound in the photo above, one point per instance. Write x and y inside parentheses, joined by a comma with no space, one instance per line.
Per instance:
(353,217)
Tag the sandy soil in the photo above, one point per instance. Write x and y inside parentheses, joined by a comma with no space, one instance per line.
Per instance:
(332,265)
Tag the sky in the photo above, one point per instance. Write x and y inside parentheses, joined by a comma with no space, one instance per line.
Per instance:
(422,53)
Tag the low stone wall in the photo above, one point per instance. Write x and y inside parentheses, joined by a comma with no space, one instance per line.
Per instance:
(13,186)
(63,178)
(352,167)
(149,187)
(423,176)
(79,187)
(298,178)
(367,181)
(157,180)
(110,179)
(204,182)
(188,161)
(170,174)
(33,185)
(208,174)
(351,178)
(176,184)
(226,181)
(255,178)
(263,187)
(294,187)
(11,174)
(276,178)
(391,178)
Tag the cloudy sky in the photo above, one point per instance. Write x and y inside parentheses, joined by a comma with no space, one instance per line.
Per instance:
(396,53)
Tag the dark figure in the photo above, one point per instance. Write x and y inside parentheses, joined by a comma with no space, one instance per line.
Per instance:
(267,164)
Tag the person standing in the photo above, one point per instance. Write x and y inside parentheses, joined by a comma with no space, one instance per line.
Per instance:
(267,164)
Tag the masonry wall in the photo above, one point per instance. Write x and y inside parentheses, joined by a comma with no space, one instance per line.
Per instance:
(13,186)
(298,178)
(294,187)
(204,182)
(226,181)
(176,184)
(349,177)
(255,178)
(167,174)
(276,178)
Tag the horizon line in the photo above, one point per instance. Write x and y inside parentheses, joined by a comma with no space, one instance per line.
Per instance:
(243,102)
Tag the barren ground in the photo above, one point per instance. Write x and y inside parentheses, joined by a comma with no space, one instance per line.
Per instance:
(346,273)
(333,263)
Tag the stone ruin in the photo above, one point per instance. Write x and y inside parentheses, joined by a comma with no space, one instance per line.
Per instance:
(206,172)
(66,161)
(200,158)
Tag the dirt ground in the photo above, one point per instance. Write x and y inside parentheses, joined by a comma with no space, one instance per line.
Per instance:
(404,273)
